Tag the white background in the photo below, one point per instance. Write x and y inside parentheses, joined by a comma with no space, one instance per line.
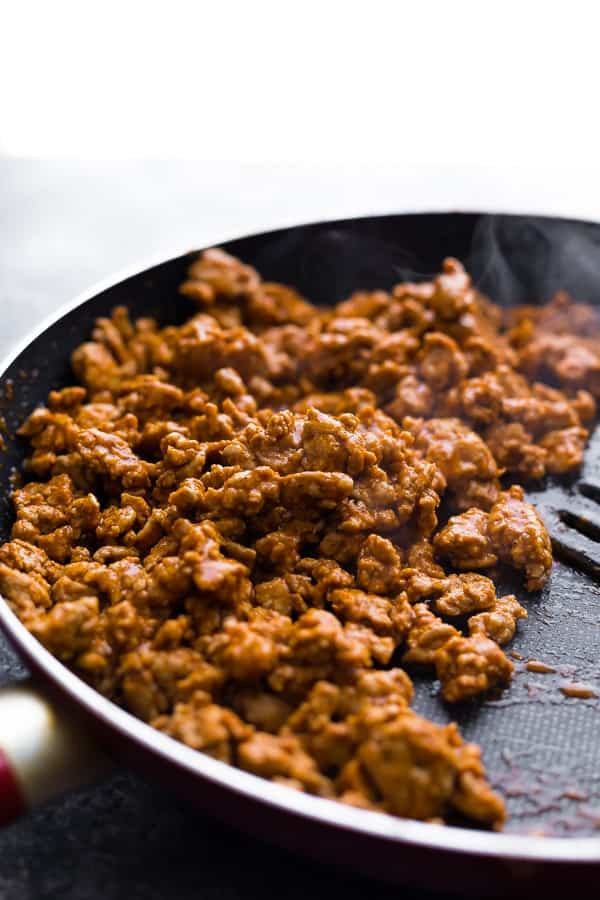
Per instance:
(313,81)
(315,109)
(371,81)
(272,113)
(416,103)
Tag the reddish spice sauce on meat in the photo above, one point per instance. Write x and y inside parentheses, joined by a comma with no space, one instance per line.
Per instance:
(230,527)
(577,689)
(534,665)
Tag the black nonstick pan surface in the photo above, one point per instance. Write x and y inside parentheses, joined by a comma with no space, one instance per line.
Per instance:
(541,748)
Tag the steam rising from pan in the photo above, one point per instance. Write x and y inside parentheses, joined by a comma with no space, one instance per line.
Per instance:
(518,259)
(514,259)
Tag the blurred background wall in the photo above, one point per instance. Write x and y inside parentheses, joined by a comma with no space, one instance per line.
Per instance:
(134,129)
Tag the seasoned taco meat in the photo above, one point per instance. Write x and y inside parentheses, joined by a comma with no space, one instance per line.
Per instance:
(240,527)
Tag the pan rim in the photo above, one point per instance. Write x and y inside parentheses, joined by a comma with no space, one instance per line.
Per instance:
(506,846)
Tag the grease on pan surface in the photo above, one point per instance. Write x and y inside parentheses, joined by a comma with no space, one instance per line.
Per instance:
(248,529)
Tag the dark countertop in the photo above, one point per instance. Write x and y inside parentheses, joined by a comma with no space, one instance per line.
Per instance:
(61,227)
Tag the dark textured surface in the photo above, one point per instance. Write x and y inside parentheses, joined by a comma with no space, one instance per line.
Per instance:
(127,839)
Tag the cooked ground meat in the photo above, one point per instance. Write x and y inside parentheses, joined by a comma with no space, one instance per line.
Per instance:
(467,666)
(500,621)
(231,527)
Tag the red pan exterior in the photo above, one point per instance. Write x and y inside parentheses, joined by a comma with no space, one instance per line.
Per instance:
(12,804)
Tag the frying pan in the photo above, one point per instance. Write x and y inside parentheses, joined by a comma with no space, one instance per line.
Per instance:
(541,748)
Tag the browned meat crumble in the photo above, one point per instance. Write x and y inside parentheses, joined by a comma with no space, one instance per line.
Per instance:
(231,527)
